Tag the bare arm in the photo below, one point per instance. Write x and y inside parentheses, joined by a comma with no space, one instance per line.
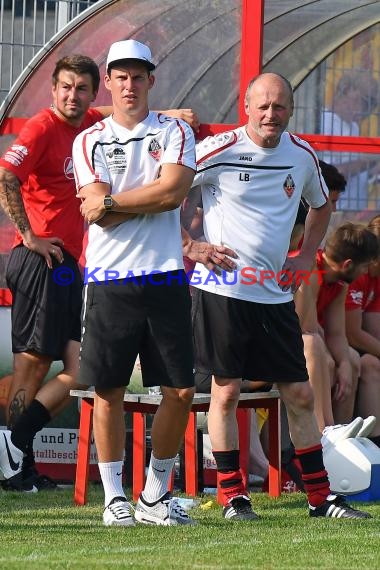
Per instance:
(163,194)
(214,257)
(316,224)
(305,300)
(100,189)
(189,207)
(336,341)
(105,110)
(335,330)
(187,115)
(13,205)
(357,336)
(11,201)
(371,323)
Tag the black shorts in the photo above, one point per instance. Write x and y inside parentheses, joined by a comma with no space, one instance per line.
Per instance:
(122,320)
(240,339)
(46,303)
(203,384)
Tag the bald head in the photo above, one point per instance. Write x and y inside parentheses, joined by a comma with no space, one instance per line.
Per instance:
(272,79)
(269,105)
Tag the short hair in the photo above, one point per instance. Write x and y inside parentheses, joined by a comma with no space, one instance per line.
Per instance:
(79,64)
(352,241)
(333,178)
(286,81)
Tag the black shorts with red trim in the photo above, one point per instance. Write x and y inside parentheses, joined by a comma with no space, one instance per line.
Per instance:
(234,338)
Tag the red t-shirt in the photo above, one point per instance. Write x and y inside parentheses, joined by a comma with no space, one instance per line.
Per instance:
(327,291)
(364,294)
(41,158)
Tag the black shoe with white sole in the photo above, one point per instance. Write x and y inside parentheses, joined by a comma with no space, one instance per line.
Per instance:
(239,509)
(336,507)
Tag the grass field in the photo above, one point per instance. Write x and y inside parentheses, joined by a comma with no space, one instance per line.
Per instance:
(45,531)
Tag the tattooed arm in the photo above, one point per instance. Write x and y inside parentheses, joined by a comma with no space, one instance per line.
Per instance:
(13,205)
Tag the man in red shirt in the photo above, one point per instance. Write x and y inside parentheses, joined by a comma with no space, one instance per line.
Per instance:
(37,192)
(320,307)
(363,333)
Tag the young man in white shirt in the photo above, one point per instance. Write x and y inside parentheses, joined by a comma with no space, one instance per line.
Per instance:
(132,172)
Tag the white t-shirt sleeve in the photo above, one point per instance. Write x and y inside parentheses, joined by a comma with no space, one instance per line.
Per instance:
(88,158)
(180,145)
(209,152)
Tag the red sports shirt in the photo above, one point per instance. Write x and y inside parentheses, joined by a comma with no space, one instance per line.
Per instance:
(327,291)
(41,158)
(364,294)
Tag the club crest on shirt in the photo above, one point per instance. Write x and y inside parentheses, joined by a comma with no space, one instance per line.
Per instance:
(155,149)
(289,186)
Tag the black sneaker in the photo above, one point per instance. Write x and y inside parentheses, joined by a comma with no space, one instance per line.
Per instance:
(336,507)
(239,509)
(42,482)
(16,483)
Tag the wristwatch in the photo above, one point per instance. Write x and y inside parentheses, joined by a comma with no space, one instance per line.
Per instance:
(108,202)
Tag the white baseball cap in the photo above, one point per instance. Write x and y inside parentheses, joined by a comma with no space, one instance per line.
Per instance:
(130,49)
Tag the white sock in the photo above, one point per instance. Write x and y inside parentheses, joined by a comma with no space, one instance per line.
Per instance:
(111,475)
(157,481)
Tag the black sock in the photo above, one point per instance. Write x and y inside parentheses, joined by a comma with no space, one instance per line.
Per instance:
(375,439)
(227,461)
(32,420)
(28,462)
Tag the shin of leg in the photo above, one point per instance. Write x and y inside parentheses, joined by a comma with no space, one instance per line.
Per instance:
(170,421)
(319,378)
(109,426)
(222,423)
(29,370)
(258,461)
(355,366)
(368,393)
(344,408)
(55,394)
(298,400)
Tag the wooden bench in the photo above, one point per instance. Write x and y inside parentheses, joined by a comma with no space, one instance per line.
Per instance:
(142,404)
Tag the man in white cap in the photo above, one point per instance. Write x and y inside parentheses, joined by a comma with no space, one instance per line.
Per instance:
(132,172)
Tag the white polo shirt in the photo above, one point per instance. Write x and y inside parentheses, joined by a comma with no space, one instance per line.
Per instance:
(250,199)
(127,159)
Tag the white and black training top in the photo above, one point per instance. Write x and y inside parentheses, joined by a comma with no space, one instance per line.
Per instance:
(126,159)
(250,199)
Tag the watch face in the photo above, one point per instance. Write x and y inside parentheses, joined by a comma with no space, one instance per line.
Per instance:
(107,202)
